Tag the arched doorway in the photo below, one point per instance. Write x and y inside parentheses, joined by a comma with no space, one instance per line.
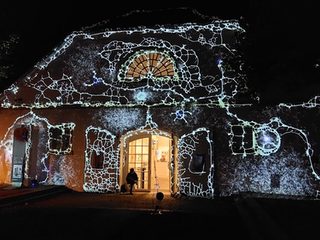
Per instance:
(150,154)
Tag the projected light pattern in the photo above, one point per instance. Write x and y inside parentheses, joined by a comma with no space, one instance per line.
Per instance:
(225,97)
(152,72)
(241,139)
(254,138)
(267,138)
(286,167)
(150,127)
(32,120)
(6,143)
(119,120)
(141,68)
(69,173)
(210,35)
(181,114)
(60,50)
(57,178)
(187,145)
(281,173)
(141,96)
(60,137)
(312,103)
(100,142)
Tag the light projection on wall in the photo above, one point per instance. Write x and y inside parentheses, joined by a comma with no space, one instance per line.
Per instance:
(141,96)
(184,67)
(150,127)
(101,161)
(210,35)
(181,114)
(269,170)
(60,137)
(152,72)
(130,118)
(187,146)
(265,138)
(45,141)
(241,139)
(225,97)
(253,138)
(312,103)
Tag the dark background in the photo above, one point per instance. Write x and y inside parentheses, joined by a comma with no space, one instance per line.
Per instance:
(281,47)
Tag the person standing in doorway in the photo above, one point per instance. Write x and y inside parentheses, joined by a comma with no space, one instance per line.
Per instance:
(132,178)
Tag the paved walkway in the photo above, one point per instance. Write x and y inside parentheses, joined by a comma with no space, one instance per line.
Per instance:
(253,218)
(141,201)
(138,201)
(10,195)
(7,191)
(119,216)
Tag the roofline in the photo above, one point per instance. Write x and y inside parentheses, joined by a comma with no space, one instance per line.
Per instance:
(231,24)
(166,26)
(57,51)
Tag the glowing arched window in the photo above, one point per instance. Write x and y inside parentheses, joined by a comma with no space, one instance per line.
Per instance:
(149,64)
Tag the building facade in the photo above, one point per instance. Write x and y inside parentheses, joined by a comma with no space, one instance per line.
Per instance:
(168,101)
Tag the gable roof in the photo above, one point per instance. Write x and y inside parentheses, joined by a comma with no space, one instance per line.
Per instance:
(84,69)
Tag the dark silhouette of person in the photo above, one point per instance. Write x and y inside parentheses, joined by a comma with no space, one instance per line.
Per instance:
(132,178)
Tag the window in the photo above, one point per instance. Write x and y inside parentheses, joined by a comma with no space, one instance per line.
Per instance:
(149,64)
(97,160)
(275,181)
(197,163)
(21,134)
(139,160)
(60,137)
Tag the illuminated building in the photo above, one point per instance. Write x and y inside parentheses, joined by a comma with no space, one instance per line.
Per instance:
(163,100)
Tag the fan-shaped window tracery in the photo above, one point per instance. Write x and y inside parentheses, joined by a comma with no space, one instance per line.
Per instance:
(150,64)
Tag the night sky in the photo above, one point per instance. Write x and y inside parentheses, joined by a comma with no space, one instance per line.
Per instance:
(281,49)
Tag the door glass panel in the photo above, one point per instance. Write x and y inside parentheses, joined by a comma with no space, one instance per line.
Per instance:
(160,153)
(145,149)
(139,160)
